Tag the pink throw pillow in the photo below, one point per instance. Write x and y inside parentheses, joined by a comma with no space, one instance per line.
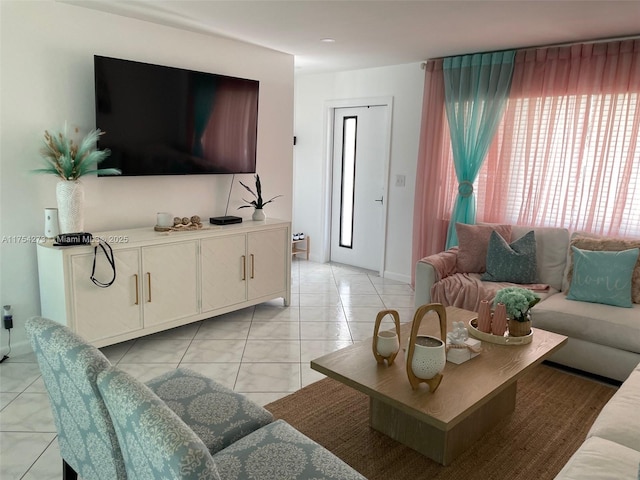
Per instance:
(473,242)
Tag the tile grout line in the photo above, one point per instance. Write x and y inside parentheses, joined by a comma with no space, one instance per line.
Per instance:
(244,349)
(55,439)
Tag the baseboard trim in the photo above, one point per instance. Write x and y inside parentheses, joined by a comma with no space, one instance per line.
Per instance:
(399,277)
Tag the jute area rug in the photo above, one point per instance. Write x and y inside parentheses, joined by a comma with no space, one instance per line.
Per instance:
(554,411)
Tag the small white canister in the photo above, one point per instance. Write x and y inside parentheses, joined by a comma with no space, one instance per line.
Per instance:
(51,225)
(164,219)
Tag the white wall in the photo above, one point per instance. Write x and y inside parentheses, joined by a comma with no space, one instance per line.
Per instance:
(313,93)
(46,79)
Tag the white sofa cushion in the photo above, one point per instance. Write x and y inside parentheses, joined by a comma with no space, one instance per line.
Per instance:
(602,324)
(551,252)
(601,459)
(619,420)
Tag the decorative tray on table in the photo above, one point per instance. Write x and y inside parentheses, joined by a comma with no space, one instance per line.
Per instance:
(505,339)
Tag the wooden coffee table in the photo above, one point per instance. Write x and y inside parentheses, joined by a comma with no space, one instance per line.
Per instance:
(472,398)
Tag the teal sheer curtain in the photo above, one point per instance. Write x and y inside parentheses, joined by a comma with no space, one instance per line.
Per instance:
(476,91)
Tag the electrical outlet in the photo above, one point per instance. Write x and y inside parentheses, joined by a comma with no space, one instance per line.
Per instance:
(400,180)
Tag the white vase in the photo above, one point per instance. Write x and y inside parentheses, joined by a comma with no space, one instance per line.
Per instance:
(70,197)
(258,214)
(387,343)
(429,357)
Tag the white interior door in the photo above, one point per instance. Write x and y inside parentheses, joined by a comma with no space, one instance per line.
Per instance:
(358,186)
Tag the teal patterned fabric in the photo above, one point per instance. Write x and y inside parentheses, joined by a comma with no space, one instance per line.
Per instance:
(218,415)
(515,262)
(69,368)
(280,452)
(156,444)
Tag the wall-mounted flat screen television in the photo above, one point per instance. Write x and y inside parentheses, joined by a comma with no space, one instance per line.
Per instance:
(170,121)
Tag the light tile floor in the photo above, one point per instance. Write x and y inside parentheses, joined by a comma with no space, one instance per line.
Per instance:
(262,351)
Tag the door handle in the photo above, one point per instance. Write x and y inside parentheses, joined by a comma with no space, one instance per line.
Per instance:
(135,276)
(244,267)
(149,286)
(381,200)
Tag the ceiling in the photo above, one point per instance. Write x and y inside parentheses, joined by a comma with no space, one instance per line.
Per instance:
(379,33)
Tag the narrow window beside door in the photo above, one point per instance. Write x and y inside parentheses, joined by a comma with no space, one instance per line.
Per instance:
(349,130)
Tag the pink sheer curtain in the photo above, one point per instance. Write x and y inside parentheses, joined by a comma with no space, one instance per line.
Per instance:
(433,196)
(567,153)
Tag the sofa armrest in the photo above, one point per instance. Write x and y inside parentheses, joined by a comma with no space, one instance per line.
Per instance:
(432,269)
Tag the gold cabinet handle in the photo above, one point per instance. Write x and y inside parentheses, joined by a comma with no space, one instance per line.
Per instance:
(244,267)
(252,266)
(149,285)
(135,276)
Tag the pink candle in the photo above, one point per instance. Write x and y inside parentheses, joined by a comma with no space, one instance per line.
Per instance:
(484,317)
(499,322)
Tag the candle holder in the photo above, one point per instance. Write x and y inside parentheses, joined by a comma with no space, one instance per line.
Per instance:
(426,355)
(484,317)
(499,321)
(386,344)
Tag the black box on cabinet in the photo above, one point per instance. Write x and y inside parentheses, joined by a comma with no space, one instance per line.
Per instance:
(226,220)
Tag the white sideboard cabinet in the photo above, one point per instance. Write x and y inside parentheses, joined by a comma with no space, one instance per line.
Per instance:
(243,268)
(164,280)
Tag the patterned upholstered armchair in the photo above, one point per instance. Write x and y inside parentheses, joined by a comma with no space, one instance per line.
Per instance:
(158,444)
(69,367)
(218,415)
(155,442)
(88,442)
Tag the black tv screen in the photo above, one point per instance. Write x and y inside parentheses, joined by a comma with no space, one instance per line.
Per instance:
(169,121)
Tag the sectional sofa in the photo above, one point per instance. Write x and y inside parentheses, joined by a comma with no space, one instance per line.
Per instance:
(603,339)
(612,447)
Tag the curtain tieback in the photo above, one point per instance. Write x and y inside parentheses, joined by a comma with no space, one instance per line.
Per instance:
(465,188)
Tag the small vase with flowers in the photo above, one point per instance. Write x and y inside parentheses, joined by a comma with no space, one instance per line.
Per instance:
(518,303)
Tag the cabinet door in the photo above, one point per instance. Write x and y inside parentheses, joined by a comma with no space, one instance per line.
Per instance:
(267,262)
(100,313)
(169,277)
(224,271)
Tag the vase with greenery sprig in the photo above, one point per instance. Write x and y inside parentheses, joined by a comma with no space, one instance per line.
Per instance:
(518,303)
(258,204)
(68,159)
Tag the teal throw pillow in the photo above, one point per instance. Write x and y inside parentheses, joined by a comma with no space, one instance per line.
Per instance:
(603,277)
(514,262)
